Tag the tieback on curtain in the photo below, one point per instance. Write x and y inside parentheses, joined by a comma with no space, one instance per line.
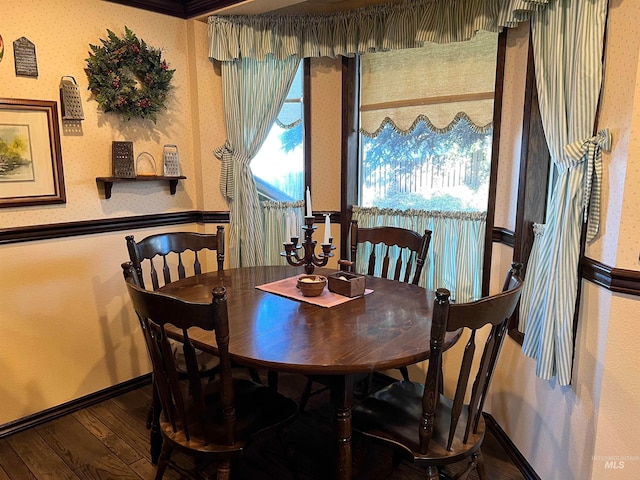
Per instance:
(225,155)
(591,150)
(408,24)
(538,229)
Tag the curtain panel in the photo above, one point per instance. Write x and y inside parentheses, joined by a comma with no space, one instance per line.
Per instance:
(280,220)
(409,24)
(455,255)
(567,44)
(253,93)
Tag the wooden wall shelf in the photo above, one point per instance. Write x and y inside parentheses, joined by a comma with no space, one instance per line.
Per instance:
(109,181)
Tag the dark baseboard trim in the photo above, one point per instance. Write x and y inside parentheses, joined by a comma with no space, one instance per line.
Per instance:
(73,406)
(509,447)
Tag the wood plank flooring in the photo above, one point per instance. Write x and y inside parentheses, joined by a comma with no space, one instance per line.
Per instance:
(109,440)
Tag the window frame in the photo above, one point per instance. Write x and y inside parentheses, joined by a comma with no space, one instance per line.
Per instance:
(306,107)
(351,147)
(535,162)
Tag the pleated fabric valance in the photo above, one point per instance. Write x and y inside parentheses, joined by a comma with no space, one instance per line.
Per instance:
(409,24)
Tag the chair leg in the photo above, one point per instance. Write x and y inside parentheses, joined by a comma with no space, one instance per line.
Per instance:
(153,424)
(306,393)
(480,466)
(272,380)
(396,458)
(405,374)
(289,452)
(255,376)
(163,461)
(432,473)
(476,459)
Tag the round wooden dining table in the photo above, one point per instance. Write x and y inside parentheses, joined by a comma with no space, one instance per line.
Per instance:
(387,328)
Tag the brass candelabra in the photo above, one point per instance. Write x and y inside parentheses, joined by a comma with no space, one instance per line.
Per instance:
(310,260)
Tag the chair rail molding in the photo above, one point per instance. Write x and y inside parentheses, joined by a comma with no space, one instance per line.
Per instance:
(617,280)
(92,227)
(614,279)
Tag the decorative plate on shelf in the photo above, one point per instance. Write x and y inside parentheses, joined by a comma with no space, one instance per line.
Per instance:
(145,164)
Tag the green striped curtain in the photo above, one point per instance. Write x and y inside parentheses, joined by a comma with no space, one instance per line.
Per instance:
(253,93)
(277,217)
(260,54)
(454,260)
(568,43)
(407,24)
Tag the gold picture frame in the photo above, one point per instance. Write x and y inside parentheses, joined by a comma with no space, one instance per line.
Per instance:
(30,154)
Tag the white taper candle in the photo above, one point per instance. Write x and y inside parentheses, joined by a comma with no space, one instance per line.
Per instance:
(294,225)
(287,234)
(327,228)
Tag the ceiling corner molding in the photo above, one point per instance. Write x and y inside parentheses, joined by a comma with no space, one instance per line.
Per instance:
(178,8)
(167,7)
(614,279)
(194,8)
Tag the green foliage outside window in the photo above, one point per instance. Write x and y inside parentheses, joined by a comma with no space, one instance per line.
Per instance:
(426,169)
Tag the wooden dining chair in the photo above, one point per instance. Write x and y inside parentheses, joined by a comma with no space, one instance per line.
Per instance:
(209,421)
(166,255)
(416,418)
(407,267)
(413,248)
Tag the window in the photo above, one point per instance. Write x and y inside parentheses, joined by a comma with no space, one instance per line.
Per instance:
(426,126)
(278,167)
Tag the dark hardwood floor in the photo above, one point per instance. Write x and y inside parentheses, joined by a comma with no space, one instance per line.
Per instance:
(109,440)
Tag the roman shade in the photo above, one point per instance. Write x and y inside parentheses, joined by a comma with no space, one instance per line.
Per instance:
(441,82)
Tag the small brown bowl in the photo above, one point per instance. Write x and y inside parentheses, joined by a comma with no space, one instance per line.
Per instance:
(311,285)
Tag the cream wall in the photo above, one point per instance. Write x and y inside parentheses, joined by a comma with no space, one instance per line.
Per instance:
(65,327)
(326,108)
(568,433)
(62,32)
(72,334)
(617,417)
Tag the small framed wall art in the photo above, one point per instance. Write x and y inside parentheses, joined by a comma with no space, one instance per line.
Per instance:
(30,154)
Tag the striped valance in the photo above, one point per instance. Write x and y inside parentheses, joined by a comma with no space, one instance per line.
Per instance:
(408,24)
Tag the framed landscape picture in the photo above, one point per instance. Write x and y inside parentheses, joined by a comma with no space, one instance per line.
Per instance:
(30,154)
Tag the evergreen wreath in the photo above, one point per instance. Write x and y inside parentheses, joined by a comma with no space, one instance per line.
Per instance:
(128,77)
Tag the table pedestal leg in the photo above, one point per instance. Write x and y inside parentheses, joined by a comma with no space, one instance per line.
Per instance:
(342,399)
